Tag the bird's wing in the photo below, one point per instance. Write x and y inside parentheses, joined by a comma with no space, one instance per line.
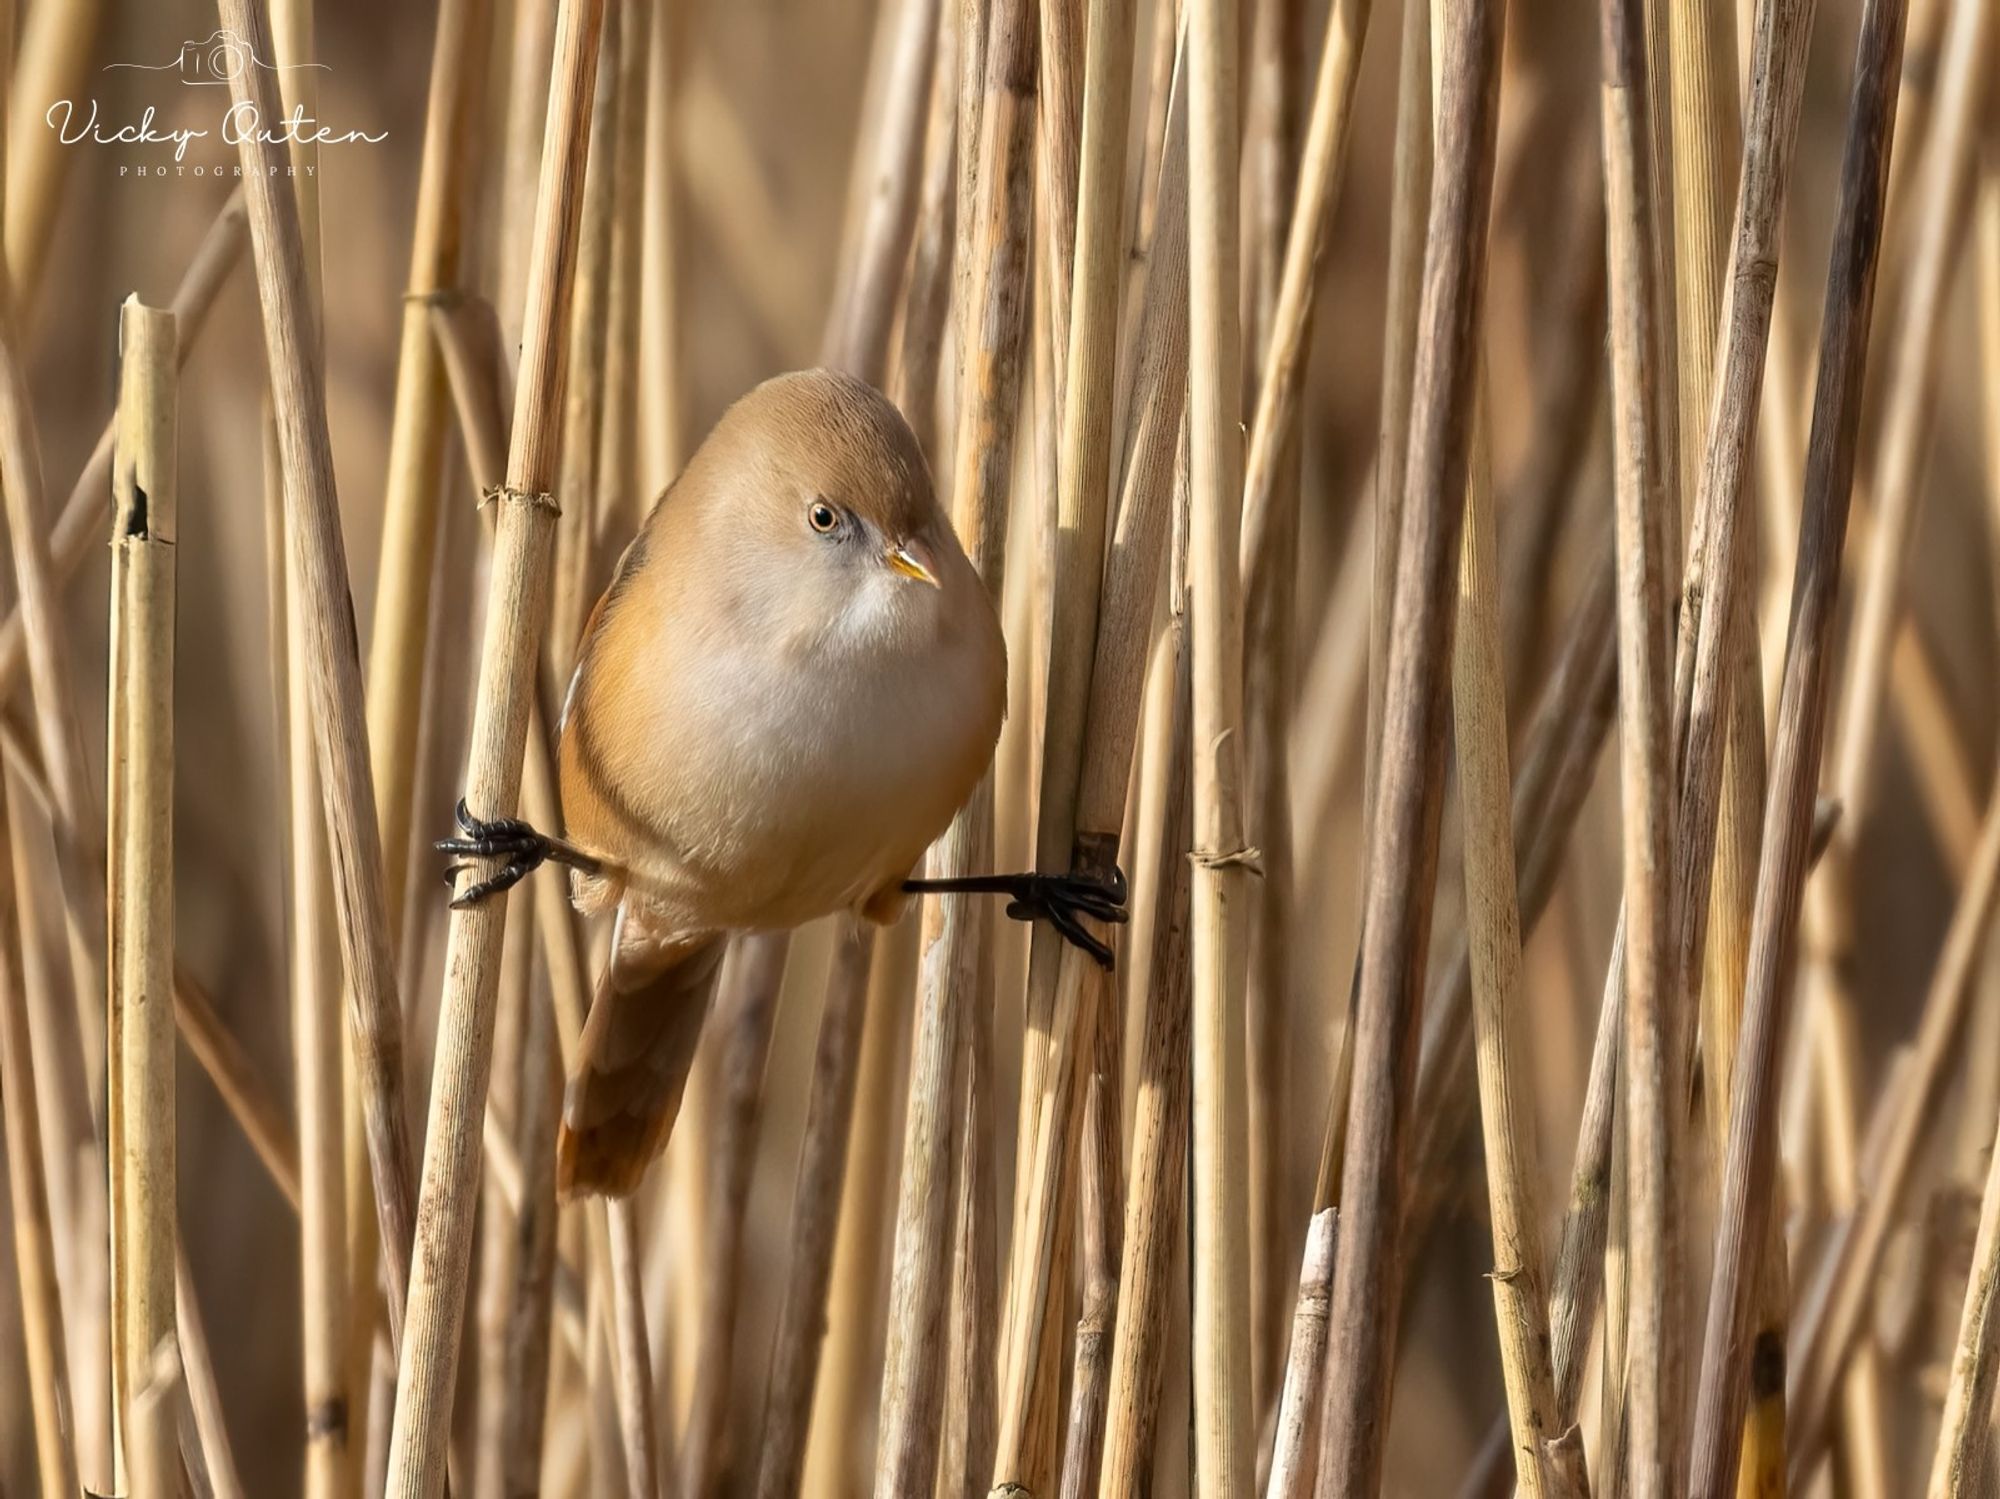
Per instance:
(632,1065)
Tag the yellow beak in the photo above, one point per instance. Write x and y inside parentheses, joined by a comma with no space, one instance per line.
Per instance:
(906,560)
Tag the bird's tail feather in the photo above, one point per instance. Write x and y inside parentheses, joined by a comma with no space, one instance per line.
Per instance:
(632,1066)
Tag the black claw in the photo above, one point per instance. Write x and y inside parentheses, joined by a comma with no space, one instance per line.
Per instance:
(519,848)
(1060,899)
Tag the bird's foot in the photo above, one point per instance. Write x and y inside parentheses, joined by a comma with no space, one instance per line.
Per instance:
(517,845)
(1058,899)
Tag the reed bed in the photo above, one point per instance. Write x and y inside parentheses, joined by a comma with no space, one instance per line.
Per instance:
(1495,509)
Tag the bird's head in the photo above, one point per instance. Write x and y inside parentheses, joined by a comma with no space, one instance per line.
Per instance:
(832,506)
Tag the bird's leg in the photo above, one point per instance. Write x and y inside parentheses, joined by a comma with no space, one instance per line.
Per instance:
(1058,899)
(519,846)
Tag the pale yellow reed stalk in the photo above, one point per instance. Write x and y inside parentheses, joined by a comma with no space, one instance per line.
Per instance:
(144,530)
(1403,838)
(47,1371)
(299,402)
(1721,1397)
(515,620)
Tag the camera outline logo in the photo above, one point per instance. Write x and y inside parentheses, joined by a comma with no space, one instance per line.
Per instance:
(215,62)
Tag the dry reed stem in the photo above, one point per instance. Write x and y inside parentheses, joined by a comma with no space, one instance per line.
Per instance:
(1750,1168)
(1940,216)
(625,502)
(332,1344)
(1270,567)
(1273,139)
(1543,493)
(744,1014)
(1646,512)
(1061,88)
(411,488)
(1718,688)
(1410,188)
(1403,840)
(1305,1363)
(1965,1439)
(1941,220)
(864,311)
(1964,1451)
(501,1233)
(141,755)
(79,529)
(1224,1424)
(210,1450)
(242,1088)
(47,1370)
(993,236)
(516,616)
(1139,546)
(575,582)
(530,52)
(53,62)
(1519,1278)
(661,379)
(631,1360)
(1057,1042)
(1158,1177)
(1900,1122)
(1563,745)
(859,1286)
(523,1397)
(971,1415)
(299,398)
(803,1313)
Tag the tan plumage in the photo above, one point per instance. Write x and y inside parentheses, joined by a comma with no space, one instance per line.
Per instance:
(771,719)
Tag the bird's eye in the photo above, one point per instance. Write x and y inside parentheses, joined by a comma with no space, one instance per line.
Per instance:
(822,517)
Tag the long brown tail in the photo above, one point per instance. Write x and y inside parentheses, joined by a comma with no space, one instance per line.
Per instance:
(638,1045)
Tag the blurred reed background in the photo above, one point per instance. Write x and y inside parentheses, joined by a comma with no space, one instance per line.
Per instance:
(1370,422)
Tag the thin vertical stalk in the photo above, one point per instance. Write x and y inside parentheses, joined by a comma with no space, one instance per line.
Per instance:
(1403,839)
(1270,570)
(47,1373)
(1940,217)
(1519,1278)
(864,314)
(744,1013)
(1750,1160)
(417,429)
(1224,1433)
(1965,1439)
(1057,1032)
(661,378)
(856,1300)
(626,502)
(1305,1364)
(53,63)
(516,617)
(795,1354)
(993,233)
(631,1358)
(299,398)
(1156,1190)
(1646,512)
(144,530)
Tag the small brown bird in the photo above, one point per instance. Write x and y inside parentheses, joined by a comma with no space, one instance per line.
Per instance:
(793,682)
